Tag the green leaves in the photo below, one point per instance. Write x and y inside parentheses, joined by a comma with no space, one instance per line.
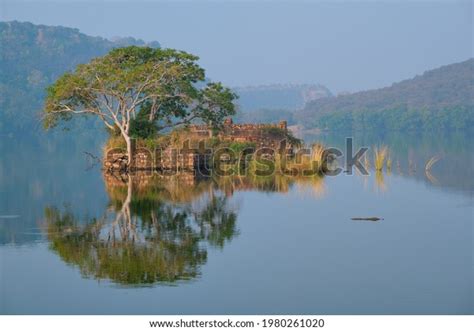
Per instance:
(139,89)
(216,104)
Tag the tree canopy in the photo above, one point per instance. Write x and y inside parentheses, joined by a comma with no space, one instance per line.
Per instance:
(159,87)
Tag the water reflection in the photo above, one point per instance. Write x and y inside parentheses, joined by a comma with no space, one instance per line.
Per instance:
(157,229)
(380,181)
(150,234)
(444,160)
(53,173)
(165,230)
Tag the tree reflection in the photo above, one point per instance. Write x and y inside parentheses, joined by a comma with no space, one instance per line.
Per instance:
(156,229)
(145,238)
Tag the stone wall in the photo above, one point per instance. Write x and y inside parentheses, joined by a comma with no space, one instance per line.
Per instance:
(168,159)
(172,159)
(254,133)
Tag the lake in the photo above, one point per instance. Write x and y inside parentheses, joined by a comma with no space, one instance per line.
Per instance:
(73,241)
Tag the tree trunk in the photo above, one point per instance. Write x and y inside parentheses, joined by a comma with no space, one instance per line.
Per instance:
(130,150)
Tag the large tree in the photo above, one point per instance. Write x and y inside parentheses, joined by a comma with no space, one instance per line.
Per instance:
(163,86)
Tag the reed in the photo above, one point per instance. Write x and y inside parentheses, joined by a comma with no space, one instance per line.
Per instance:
(428,167)
(366,162)
(380,181)
(380,154)
(317,154)
(389,163)
(314,185)
(310,163)
(431,162)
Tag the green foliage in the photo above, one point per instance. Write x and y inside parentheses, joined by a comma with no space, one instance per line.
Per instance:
(163,236)
(31,58)
(213,142)
(140,90)
(149,143)
(239,147)
(141,127)
(400,119)
(167,255)
(440,99)
(216,96)
(282,134)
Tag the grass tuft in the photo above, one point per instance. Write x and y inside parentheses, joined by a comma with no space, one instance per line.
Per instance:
(380,154)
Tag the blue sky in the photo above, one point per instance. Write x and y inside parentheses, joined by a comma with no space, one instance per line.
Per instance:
(345,45)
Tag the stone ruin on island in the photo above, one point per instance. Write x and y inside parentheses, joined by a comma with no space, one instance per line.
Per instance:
(194,154)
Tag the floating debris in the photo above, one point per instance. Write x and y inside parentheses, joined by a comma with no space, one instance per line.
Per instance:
(373,219)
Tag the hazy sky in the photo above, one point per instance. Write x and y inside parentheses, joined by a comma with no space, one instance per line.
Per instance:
(345,45)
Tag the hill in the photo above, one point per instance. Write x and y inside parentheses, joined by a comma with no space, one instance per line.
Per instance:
(32,57)
(442,98)
(273,103)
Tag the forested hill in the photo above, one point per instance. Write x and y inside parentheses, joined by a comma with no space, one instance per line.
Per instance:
(31,58)
(442,98)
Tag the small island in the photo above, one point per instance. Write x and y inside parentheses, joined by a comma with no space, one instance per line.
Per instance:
(199,147)
(162,113)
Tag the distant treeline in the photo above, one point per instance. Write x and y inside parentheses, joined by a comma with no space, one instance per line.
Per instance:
(439,99)
(398,119)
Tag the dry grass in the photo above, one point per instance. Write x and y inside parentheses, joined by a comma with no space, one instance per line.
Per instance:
(428,167)
(115,142)
(389,163)
(380,181)
(151,144)
(380,154)
(315,186)
(317,154)
(178,139)
(312,161)
(431,162)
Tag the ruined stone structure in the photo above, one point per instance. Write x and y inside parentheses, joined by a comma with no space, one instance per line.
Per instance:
(167,159)
(262,136)
(252,133)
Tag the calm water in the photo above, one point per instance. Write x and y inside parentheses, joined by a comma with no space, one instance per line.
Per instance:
(74,242)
